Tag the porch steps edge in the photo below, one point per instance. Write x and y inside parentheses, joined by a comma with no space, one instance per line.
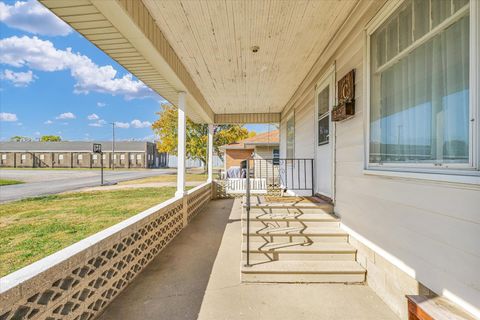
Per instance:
(304,271)
(300,248)
(294,232)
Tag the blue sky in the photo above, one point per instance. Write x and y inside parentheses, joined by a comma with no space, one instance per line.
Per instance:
(55,82)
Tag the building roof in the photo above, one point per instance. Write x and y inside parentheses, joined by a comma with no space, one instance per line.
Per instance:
(73,146)
(271,138)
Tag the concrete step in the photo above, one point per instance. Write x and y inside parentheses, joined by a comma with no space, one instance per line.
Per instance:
(304,251)
(277,220)
(291,215)
(304,271)
(328,210)
(294,234)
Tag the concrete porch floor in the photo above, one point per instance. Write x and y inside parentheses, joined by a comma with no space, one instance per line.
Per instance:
(198,277)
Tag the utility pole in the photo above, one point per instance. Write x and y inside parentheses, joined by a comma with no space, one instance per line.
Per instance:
(113,145)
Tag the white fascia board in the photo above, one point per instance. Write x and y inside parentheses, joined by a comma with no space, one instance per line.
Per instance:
(120,19)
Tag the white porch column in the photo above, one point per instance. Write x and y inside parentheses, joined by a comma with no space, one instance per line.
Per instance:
(210,152)
(182,109)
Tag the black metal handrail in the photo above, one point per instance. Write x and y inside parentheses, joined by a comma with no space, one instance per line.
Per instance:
(279,174)
(247,204)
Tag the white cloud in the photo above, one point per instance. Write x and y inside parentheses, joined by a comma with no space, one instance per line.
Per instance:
(123,125)
(8,117)
(32,17)
(98,123)
(140,124)
(42,55)
(93,116)
(37,133)
(66,115)
(101,104)
(48,122)
(19,79)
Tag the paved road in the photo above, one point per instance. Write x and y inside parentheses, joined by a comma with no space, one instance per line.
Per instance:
(43,182)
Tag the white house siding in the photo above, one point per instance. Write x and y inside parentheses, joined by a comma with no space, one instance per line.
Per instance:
(409,230)
(297,178)
(295,183)
(264,169)
(305,138)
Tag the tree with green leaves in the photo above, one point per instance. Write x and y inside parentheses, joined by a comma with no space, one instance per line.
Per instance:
(50,139)
(196,135)
(20,139)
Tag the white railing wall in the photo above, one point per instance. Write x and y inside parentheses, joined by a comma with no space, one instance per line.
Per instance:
(239,185)
(79,281)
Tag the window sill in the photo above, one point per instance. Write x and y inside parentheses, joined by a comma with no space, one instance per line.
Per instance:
(467,180)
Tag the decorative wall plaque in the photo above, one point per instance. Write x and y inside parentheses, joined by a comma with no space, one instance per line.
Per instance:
(346,98)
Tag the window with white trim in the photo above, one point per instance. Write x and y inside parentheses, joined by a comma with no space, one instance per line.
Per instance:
(420,111)
(291,137)
(323,98)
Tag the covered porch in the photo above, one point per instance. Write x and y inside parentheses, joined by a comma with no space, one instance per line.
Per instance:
(198,275)
(237,62)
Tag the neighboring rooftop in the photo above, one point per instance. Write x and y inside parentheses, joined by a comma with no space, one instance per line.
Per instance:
(271,138)
(72,146)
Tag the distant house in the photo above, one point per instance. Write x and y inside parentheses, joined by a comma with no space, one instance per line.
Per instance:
(262,146)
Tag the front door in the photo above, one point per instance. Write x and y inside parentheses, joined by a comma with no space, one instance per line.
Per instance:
(324,100)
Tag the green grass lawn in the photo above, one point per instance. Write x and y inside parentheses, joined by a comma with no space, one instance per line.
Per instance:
(33,228)
(7,182)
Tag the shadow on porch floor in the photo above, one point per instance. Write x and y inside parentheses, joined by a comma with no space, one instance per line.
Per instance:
(198,277)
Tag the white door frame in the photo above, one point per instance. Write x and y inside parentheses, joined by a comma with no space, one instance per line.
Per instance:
(329,76)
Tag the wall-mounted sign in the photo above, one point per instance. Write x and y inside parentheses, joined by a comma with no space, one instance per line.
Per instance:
(97,148)
(346,98)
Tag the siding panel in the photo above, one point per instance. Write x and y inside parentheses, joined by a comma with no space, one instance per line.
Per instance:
(432,228)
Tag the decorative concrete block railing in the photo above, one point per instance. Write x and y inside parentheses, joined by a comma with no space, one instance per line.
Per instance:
(79,281)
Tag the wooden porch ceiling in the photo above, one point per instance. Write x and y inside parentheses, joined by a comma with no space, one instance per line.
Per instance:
(215,41)
(206,48)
